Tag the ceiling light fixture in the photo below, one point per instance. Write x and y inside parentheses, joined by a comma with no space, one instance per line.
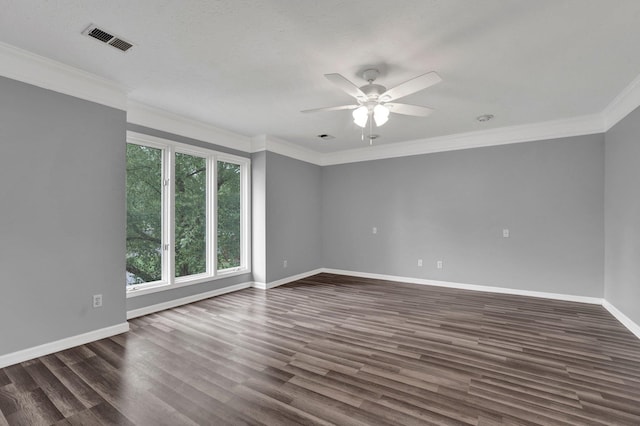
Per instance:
(360,116)
(380,114)
(374,101)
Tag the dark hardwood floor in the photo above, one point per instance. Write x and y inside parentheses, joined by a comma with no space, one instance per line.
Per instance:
(332,349)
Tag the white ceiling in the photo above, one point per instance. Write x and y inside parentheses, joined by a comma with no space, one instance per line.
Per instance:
(251,66)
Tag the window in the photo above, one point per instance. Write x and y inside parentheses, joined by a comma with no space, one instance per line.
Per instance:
(229,215)
(144,214)
(187,214)
(191,215)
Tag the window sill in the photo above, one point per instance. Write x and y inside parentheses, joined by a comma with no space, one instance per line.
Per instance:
(184,282)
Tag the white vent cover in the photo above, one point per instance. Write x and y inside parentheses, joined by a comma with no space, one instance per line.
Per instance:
(107,37)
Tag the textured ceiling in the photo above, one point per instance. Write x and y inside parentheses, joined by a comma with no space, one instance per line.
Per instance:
(251,66)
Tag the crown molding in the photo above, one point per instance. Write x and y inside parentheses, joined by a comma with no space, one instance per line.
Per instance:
(159,119)
(576,126)
(30,68)
(286,148)
(21,65)
(623,104)
(258,143)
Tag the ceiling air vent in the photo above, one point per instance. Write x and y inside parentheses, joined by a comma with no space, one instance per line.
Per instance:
(326,136)
(106,37)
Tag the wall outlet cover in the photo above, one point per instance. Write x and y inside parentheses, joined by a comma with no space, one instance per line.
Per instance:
(97,300)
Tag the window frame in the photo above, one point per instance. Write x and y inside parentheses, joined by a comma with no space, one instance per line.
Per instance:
(245,211)
(169,148)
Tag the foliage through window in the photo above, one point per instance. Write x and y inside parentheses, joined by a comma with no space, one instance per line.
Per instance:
(144,214)
(228,215)
(187,213)
(191,215)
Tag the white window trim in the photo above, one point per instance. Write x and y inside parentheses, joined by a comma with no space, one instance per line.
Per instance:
(169,281)
(245,212)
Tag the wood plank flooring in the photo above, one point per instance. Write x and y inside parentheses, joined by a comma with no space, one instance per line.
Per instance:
(332,349)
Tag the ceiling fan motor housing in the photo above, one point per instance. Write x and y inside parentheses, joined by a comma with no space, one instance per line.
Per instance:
(373,91)
(370,75)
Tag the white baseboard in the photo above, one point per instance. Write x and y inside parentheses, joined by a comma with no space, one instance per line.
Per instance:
(625,320)
(62,344)
(134,313)
(80,339)
(473,287)
(286,280)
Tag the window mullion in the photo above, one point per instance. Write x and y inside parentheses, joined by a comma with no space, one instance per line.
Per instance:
(212,215)
(169,209)
(245,226)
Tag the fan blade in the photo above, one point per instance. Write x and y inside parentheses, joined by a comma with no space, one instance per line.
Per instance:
(348,87)
(412,86)
(335,108)
(406,109)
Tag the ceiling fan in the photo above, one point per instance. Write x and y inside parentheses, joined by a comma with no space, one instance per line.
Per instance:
(374,100)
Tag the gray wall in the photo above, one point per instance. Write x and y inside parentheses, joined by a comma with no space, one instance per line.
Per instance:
(452,206)
(293,205)
(258,216)
(168,295)
(62,215)
(622,216)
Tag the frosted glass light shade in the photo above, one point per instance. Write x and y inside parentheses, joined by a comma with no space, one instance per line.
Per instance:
(380,115)
(360,116)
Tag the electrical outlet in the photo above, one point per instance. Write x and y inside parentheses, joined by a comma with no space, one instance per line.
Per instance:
(439,264)
(284,264)
(505,233)
(419,262)
(374,230)
(97,300)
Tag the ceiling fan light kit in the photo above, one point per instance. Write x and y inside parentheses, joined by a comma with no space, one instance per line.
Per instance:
(374,100)
(361,115)
(380,114)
